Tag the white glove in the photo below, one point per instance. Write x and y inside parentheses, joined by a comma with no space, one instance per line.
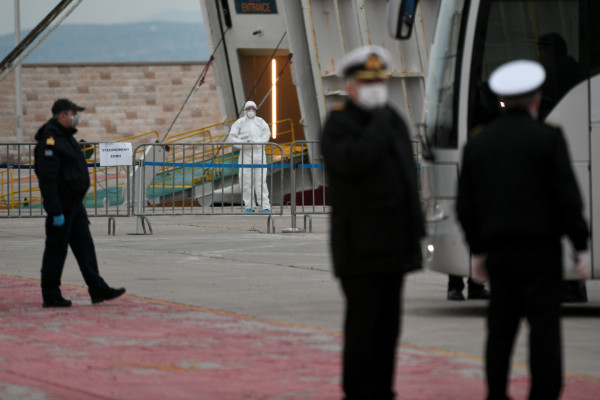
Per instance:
(479,273)
(244,136)
(582,268)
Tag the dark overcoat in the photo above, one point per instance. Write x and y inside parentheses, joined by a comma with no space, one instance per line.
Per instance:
(60,167)
(517,185)
(376,220)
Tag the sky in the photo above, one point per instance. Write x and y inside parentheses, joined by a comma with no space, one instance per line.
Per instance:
(90,11)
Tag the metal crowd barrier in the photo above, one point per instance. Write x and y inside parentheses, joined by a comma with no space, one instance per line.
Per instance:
(204,179)
(18,182)
(308,194)
(309,182)
(201,178)
(20,195)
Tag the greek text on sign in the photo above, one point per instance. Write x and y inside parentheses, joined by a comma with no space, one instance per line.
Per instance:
(112,154)
(256,6)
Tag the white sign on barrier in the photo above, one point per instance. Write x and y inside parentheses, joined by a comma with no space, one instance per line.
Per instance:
(113,154)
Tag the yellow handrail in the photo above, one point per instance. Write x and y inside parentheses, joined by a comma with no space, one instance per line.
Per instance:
(178,136)
(21,192)
(186,136)
(138,136)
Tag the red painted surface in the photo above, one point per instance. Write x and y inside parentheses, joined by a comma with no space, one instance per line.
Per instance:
(133,348)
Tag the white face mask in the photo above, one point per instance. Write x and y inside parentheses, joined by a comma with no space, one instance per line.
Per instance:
(372,95)
(75,120)
(251,113)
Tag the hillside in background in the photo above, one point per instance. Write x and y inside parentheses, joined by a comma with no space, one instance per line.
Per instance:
(144,41)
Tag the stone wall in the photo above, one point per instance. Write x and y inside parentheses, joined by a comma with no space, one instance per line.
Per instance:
(121,100)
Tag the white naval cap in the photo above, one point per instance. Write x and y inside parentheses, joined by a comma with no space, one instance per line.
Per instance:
(516,78)
(366,62)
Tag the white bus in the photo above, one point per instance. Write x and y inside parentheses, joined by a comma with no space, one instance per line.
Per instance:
(472,38)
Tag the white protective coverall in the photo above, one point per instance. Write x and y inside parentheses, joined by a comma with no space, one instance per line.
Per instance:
(252,129)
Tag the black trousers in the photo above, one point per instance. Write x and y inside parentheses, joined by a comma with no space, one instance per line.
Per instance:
(76,234)
(372,326)
(525,283)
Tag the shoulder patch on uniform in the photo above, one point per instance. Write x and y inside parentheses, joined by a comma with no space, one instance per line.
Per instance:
(50,141)
(338,106)
(48,153)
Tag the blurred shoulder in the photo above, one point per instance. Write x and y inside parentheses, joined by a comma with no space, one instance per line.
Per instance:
(339,112)
(340,106)
(551,128)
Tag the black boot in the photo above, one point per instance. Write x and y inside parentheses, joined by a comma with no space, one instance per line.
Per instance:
(107,294)
(455,294)
(58,302)
(479,294)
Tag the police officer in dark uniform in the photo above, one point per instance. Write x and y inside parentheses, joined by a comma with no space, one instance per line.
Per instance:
(517,197)
(376,220)
(63,177)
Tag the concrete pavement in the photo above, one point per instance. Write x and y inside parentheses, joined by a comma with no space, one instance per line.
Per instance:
(219,309)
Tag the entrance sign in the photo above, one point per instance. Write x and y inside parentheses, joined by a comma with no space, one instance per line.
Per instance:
(256,6)
(113,154)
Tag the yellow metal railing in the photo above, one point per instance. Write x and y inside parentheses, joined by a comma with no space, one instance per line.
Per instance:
(197,135)
(200,134)
(285,130)
(179,154)
(21,191)
(141,138)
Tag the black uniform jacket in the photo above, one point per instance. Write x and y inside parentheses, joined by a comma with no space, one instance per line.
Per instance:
(517,185)
(60,167)
(376,214)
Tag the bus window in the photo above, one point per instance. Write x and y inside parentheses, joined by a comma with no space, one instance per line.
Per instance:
(545,31)
(592,53)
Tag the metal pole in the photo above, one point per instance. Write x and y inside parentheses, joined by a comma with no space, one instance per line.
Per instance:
(293,228)
(18,82)
(27,46)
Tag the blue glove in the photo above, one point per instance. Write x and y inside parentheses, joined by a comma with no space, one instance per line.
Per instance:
(59,220)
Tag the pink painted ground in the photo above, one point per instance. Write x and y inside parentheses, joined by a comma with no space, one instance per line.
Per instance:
(134,348)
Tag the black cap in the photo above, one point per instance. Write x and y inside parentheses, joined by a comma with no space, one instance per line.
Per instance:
(61,105)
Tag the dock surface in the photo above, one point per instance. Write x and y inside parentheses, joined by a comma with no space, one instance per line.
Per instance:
(217,308)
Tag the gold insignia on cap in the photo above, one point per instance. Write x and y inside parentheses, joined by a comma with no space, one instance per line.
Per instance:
(50,141)
(374,62)
(373,68)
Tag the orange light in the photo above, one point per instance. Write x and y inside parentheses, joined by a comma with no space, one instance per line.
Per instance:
(274,96)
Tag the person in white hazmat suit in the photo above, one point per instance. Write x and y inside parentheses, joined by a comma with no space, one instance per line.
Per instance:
(252,129)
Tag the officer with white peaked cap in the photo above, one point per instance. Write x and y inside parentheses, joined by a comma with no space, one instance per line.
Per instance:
(513,79)
(517,197)
(517,78)
(374,238)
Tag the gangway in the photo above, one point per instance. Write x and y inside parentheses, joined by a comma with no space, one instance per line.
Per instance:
(193,173)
